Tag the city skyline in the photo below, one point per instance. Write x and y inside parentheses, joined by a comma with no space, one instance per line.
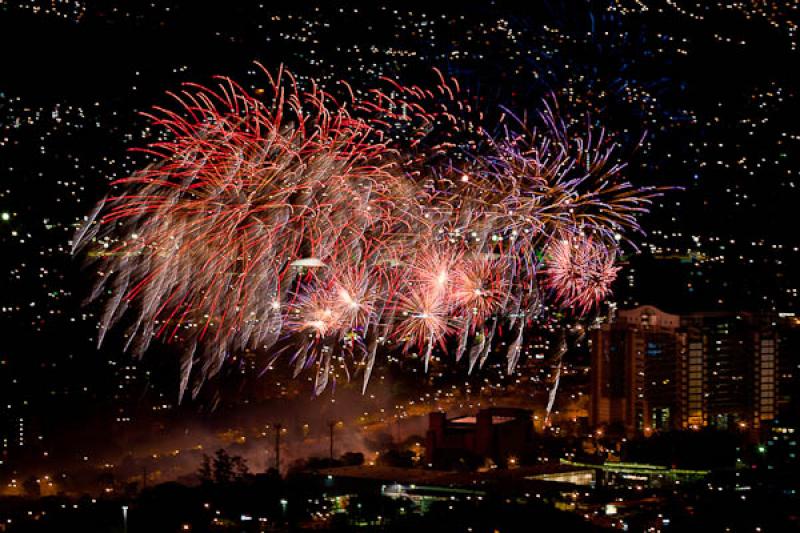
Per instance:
(696,337)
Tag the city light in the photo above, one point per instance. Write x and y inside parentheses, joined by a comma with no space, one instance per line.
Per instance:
(341,266)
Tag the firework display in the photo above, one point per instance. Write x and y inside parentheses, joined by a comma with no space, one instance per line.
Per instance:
(331,229)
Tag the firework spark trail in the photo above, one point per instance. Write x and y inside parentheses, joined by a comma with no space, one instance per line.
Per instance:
(580,271)
(296,223)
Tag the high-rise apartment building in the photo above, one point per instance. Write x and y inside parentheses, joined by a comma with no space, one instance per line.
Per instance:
(656,371)
(636,370)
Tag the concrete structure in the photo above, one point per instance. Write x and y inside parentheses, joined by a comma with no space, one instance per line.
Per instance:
(496,433)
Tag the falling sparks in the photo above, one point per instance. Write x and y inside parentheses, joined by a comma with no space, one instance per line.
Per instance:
(298,223)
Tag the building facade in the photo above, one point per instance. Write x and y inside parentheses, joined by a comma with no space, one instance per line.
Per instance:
(655,371)
(496,433)
(636,371)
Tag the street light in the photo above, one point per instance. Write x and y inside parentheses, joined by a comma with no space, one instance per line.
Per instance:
(125,518)
(278,429)
(333,425)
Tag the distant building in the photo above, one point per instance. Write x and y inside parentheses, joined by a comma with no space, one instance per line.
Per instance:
(19,424)
(496,433)
(128,388)
(789,364)
(657,371)
(737,355)
(782,442)
(636,371)
(8,434)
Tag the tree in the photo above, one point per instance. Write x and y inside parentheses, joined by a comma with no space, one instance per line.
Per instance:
(223,468)
(404,458)
(32,487)
(205,472)
(353,459)
(240,468)
(106,479)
